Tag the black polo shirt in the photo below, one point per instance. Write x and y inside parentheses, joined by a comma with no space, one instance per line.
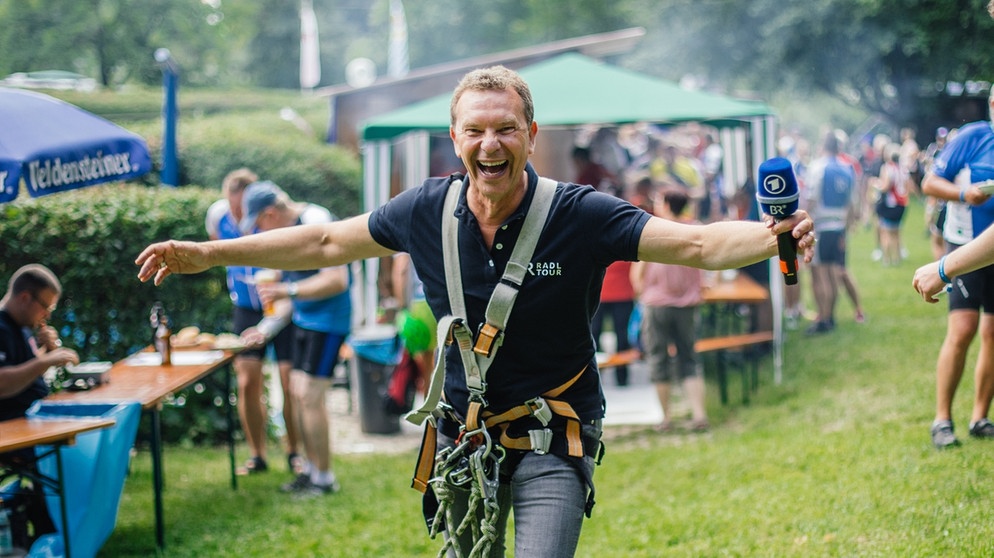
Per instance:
(14,350)
(548,338)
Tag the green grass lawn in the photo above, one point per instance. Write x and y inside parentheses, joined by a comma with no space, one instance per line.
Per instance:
(836,461)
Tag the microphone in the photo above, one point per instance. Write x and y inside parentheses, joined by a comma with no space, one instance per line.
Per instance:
(777,196)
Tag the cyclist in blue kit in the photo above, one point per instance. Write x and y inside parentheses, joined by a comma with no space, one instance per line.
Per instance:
(966,162)
(222,223)
(321,314)
(546,363)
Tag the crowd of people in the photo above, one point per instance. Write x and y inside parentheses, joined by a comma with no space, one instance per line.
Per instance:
(951,177)
(845,186)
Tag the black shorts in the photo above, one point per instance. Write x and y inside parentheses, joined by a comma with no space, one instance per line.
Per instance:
(316,352)
(244,318)
(830,248)
(974,290)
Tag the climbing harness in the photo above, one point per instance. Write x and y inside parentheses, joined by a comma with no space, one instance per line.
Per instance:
(474,462)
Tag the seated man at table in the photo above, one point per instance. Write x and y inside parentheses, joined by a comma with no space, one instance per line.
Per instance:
(29,347)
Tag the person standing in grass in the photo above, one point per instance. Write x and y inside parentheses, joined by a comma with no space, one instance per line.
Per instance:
(828,195)
(966,162)
(322,317)
(671,296)
(547,351)
(222,223)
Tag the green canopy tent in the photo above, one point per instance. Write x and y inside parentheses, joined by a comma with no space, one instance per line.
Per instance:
(573,90)
(570,91)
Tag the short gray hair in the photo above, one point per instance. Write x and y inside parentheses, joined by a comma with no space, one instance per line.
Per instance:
(494,78)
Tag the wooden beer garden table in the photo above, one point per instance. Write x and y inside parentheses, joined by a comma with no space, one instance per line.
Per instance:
(141,377)
(722,327)
(25,433)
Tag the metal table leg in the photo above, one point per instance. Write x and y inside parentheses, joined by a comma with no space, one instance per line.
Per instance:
(61,486)
(157,478)
(226,394)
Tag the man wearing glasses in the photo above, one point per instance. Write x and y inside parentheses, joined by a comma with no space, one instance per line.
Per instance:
(29,347)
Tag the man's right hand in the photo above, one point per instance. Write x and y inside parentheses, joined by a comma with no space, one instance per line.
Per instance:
(61,357)
(160,260)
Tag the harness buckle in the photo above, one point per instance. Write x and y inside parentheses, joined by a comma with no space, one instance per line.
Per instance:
(541,439)
(539,409)
(487,340)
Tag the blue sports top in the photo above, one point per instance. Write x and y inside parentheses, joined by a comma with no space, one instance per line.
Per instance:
(327,315)
(967,159)
(221,224)
(548,339)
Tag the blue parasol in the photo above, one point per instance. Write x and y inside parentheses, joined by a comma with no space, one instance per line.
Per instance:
(55,146)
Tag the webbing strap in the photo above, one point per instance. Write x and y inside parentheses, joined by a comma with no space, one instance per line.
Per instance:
(506,291)
(450,330)
(426,459)
(473,416)
(476,359)
(450,249)
(574,441)
(453,282)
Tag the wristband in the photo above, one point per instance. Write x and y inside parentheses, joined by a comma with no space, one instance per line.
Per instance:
(942,270)
(962,196)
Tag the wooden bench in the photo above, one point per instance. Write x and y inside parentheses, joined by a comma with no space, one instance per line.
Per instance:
(737,342)
(719,346)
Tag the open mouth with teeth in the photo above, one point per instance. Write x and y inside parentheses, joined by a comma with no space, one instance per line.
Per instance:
(491,168)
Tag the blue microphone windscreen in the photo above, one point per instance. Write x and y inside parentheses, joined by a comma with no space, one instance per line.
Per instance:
(776,191)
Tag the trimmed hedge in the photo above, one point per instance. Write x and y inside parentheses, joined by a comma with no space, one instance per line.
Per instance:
(90,239)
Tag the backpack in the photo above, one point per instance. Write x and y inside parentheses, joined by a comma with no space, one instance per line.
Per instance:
(399,398)
(837,185)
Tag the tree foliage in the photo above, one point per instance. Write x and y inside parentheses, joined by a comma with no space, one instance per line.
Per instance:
(884,55)
(112,40)
(887,56)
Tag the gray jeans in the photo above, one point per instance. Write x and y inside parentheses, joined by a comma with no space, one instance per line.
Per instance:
(548,494)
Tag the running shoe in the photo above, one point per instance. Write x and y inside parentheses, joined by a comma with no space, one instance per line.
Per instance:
(983,429)
(821,326)
(315,490)
(942,434)
(300,483)
(252,466)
